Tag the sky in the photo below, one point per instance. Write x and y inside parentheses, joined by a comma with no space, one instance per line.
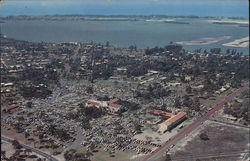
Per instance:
(219,8)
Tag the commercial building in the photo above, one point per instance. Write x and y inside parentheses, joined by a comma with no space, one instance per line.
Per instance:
(171,119)
(95,103)
(10,108)
(110,106)
(172,122)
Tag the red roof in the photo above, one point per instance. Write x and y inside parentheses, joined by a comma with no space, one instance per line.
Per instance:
(113,100)
(175,118)
(10,107)
(94,103)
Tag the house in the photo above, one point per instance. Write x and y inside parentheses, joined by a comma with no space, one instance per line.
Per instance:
(95,103)
(113,107)
(188,78)
(173,84)
(153,71)
(223,89)
(9,108)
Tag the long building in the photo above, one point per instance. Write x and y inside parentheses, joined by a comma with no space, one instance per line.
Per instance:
(172,122)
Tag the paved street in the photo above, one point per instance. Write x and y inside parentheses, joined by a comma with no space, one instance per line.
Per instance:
(160,152)
(49,157)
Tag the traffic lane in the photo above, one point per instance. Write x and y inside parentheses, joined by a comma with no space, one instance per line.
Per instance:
(194,125)
(32,149)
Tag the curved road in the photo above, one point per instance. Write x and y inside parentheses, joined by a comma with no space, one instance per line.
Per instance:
(160,152)
(49,157)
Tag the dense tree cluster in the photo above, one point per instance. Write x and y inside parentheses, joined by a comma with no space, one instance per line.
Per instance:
(154,90)
(240,109)
(128,104)
(187,101)
(73,155)
(91,112)
(30,90)
(204,136)
(59,133)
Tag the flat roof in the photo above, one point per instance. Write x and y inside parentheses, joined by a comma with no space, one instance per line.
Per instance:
(93,103)
(175,118)
(10,107)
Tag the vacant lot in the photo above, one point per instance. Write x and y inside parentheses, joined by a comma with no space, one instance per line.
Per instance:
(225,143)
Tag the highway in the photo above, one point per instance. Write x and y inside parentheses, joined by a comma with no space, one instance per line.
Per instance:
(159,153)
(49,157)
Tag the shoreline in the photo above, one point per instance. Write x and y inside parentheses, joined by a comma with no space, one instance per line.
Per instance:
(240,20)
(204,41)
(242,43)
(229,22)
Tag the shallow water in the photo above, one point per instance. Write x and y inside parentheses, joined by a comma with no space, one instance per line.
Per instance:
(124,33)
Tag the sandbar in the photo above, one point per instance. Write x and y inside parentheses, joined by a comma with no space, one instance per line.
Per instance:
(243,43)
(204,41)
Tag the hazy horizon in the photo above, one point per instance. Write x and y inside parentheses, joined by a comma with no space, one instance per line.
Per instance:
(215,8)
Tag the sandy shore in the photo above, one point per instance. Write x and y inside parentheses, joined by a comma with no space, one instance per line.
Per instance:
(204,41)
(243,43)
(161,20)
(240,22)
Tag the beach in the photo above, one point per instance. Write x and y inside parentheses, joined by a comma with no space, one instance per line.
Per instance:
(238,22)
(243,43)
(204,41)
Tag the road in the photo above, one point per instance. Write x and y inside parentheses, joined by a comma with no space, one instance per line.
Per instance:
(222,122)
(74,56)
(209,156)
(49,157)
(246,156)
(159,153)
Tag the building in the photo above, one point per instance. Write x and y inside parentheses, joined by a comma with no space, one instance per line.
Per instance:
(172,122)
(110,106)
(173,84)
(95,103)
(10,108)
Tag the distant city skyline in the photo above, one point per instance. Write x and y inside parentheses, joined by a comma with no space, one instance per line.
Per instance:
(218,8)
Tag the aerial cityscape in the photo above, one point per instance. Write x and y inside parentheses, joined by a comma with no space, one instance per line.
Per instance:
(109,80)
